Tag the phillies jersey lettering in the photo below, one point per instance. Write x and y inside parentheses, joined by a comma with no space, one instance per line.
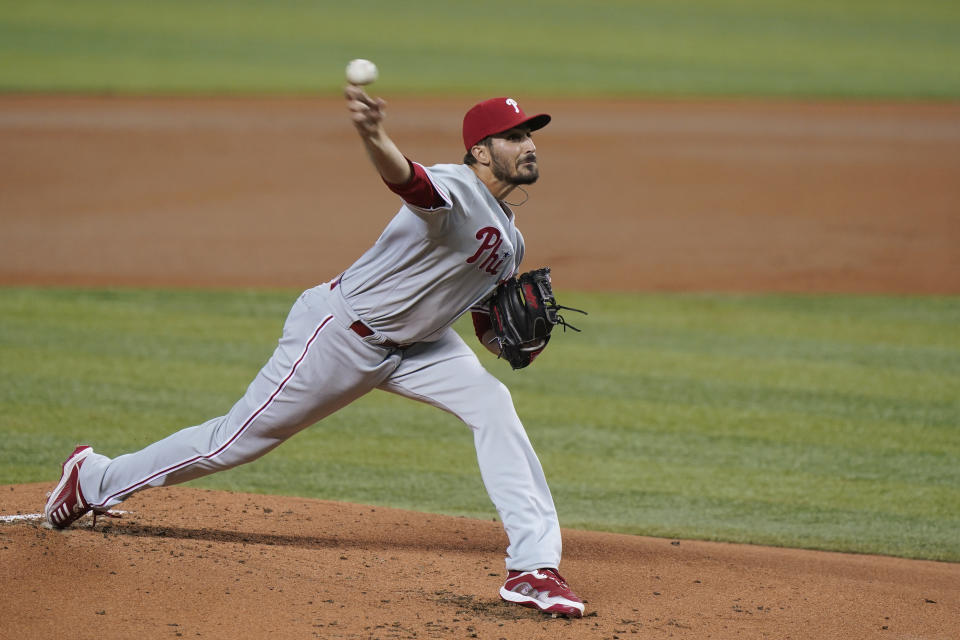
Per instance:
(451,257)
(491,242)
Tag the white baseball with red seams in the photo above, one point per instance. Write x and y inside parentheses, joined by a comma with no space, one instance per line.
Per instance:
(361,72)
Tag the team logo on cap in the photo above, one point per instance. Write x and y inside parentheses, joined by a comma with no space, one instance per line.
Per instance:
(513,103)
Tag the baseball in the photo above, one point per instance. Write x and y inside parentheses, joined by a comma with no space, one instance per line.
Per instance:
(361,72)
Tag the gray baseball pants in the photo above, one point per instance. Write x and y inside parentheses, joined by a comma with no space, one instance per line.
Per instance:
(319,366)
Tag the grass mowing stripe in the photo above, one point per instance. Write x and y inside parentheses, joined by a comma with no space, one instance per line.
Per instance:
(810,421)
(575,47)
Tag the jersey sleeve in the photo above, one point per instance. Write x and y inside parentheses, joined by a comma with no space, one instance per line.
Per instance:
(420,191)
(481,323)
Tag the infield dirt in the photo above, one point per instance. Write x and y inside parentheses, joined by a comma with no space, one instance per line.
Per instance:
(714,196)
(635,196)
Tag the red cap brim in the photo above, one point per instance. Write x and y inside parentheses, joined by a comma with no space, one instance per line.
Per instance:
(497,115)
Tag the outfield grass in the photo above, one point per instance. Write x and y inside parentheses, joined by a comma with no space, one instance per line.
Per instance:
(804,421)
(834,48)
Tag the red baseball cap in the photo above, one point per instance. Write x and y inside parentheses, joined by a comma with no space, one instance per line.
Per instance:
(495,115)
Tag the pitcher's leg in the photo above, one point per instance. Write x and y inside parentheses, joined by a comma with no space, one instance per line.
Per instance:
(448,375)
(316,369)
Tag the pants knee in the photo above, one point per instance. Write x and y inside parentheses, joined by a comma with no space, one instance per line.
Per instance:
(495,410)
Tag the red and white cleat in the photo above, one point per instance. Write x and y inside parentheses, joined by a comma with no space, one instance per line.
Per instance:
(66,504)
(543,589)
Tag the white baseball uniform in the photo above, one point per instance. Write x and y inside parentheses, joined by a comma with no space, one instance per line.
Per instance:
(384,324)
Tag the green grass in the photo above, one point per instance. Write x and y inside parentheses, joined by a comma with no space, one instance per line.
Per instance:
(835,48)
(821,422)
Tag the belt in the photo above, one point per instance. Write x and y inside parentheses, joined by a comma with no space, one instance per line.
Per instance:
(364,331)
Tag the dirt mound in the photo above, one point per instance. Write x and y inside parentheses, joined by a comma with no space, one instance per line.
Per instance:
(184,562)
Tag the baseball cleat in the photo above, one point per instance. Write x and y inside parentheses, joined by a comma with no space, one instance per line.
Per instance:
(543,589)
(65,504)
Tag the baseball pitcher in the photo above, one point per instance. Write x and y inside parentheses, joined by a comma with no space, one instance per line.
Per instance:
(385,323)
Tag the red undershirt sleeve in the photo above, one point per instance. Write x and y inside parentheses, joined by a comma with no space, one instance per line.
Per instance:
(418,190)
(481,323)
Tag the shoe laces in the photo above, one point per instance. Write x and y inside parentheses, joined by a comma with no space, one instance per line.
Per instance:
(557,576)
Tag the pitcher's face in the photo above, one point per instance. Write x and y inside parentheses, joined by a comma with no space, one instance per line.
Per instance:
(514,157)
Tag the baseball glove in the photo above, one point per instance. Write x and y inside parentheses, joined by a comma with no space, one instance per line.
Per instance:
(523,312)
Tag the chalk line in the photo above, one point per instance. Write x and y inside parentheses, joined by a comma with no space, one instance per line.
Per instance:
(30,516)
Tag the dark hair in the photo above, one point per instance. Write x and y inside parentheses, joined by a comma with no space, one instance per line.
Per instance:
(468,159)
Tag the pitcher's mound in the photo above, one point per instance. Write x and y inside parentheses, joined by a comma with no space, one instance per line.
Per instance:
(205,564)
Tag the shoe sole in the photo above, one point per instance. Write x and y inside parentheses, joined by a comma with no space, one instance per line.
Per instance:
(560,606)
(68,466)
